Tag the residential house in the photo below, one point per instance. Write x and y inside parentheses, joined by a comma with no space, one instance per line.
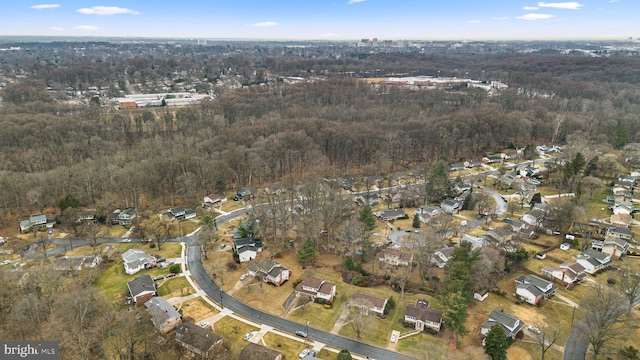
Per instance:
(214,200)
(124,217)
(244,193)
(470,164)
(86,216)
(476,242)
(619,232)
(163,315)
(593,261)
(615,247)
(440,257)
(532,289)
(623,207)
(501,234)
(269,271)
(142,289)
(136,260)
(451,206)
(247,248)
(623,220)
(480,295)
(429,211)
(196,340)
(373,303)
(507,179)
(396,257)
(422,316)
(179,213)
(516,225)
(36,221)
(622,195)
(275,190)
(68,263)
(456,167)
(509,323)
(536,216)
(253,351)
(566,273)
(393,196)
(390,214)
(316,288)
(367,199)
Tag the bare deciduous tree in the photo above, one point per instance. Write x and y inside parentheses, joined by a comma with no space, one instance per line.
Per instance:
(547,335)
(358,316)
(629,283)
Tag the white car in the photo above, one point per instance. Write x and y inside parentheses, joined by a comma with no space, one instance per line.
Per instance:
(248,336)
(5,262)
(304,353)
(125,240)
(394,337)
(244,276)
(204,324)
(533,329)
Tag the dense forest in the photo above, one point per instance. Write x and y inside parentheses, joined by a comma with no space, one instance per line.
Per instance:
(258,135)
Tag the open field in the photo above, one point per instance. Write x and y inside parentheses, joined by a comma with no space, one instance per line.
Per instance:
(196,309)
(174,287)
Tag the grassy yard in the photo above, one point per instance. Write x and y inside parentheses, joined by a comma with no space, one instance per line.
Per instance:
(232,331)
(196,309)
(174,287)
(526,349)
(288,347)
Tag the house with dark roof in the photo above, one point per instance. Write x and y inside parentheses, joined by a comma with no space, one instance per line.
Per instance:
(442,256)
(163,315)
(253,351)
(502,234)
(423,316)
(532,289)
(135,260)
(142,289)
(371,302)
(593,261)
(427,212)
(269,271)
(451,206)
(316,289)
(619,232)
(124,217)
(615,247)
(395,257)
(179,213)
(566,273)
(247,248)
(196,340)
(509,323)
(390,214)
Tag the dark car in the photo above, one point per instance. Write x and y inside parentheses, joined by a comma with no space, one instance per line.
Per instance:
(170,275)
(161,260)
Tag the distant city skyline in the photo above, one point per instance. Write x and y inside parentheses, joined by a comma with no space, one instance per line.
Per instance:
(326,20)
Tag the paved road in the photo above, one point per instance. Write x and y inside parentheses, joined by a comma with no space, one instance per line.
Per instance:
(576,346)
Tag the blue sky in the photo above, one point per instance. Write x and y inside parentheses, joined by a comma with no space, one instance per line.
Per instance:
(329,20)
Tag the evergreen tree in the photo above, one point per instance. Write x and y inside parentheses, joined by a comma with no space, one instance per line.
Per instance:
(496,343)
(620,138)
(454,313)
(416,221)
(344,354)
(307,253)
(367,218)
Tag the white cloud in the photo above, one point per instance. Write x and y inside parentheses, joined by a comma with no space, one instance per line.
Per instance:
(86,27)
(535,17)
(500,18)
(614,1)
(571,5)
(351,2)
(57,28)
(265,24)
(329,35)
(106,10)
(474,21)
(45,6)
(530,8)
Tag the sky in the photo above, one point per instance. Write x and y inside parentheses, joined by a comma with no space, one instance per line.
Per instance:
(326,20)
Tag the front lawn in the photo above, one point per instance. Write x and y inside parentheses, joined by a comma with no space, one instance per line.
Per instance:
(174,287)
(288,347)
(196,309)
(232,331)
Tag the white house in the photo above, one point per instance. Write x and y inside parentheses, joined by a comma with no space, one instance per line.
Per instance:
(247,248)
(422,316)
(476,242)
(317,288)
(593,261)
(532,289)
(372,302)
(396,257)
(269,271)
(440,257)
(136,260)
(615,247)
(566,273)
(214,200)
(509,323)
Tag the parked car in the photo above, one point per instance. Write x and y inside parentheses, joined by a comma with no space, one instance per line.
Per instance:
(161,260)
(125,240)
(394,337)
(16,265)
(304,353)
(223,246)
(244,276)
(204,324)
(159,277)
(170,275)
(541,255)
(248,336)
(533,329)
(301,333)
(5,262)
